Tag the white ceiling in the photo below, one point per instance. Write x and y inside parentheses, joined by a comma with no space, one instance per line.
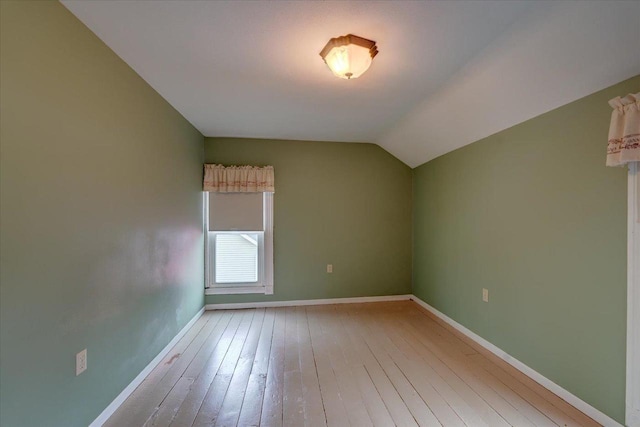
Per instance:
(448,72)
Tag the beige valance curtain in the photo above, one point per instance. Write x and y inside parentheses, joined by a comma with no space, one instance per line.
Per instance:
(624,133)
(238,179)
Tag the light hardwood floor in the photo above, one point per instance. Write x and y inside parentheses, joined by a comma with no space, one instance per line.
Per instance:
(375,364)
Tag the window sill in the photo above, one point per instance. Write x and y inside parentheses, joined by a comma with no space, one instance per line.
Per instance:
(236,290)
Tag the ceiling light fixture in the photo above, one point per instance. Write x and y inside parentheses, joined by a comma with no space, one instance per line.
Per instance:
(349,56)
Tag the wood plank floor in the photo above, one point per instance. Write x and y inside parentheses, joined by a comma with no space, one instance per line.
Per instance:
(375,364)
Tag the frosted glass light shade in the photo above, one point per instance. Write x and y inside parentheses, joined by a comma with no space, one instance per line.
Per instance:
(349,56)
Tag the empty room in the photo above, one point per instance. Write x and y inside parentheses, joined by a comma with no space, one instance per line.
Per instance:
(319,213)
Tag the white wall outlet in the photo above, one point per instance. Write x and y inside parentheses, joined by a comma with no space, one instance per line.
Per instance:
(485,295)
(81,362)
(329,268)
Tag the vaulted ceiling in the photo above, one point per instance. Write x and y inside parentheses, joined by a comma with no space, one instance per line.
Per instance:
(448,72)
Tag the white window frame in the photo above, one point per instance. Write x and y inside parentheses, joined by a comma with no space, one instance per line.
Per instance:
(264,285)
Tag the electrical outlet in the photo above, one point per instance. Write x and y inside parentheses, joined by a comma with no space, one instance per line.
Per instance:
(81,362)
(485,295)
(329,268)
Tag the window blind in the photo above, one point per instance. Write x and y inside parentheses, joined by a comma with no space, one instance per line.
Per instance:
(236,211)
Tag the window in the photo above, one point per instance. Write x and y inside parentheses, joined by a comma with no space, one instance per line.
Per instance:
(236,257)
(239,252)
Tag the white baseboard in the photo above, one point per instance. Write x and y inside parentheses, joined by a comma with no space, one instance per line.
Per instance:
(113,406)
(580,404)
(239,305)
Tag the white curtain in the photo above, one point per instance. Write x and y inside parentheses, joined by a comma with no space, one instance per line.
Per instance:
(238,179)
(624,133)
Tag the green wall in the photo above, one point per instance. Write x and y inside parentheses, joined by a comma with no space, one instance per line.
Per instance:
(533,215)
(101,216)
(343,204)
